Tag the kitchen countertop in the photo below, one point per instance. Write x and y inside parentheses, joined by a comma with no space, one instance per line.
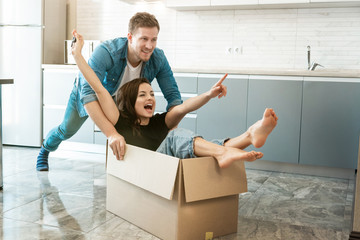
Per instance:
(6,81)
(345,73)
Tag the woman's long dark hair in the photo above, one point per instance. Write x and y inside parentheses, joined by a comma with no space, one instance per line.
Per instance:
(126,102)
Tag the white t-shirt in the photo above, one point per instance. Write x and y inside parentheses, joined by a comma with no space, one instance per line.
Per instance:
(130,74)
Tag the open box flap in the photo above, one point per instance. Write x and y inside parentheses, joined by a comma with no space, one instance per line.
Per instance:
(204,179)
(147,169)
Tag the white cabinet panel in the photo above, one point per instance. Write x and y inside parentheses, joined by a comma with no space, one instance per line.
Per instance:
(282,1)
(54,116)
(21,12)
(187,3)
(99,138)
(332,1)
(233,2)
(58,85)
(20,59)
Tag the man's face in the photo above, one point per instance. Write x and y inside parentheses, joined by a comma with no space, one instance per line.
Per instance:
(142,43)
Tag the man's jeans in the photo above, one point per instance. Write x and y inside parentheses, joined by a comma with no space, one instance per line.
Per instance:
(180,143)
(69,126)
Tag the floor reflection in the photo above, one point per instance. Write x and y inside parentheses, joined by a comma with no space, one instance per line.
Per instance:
(51,199)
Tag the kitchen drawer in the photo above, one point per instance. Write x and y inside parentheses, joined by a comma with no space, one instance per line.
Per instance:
(52,117)
(187,82)
(161,102)
(188,122)
(99,138)
(57,86)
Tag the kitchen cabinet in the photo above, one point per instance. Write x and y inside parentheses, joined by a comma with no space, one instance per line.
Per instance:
(57,86)
(284,95)
(187,84)
(334,1)
(99,137)
(187,3)
(256,4)
(233,2)
(224,117)
(330,122)
(282,1)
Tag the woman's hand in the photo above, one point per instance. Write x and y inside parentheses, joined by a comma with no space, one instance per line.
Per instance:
(77,46)
(218,89)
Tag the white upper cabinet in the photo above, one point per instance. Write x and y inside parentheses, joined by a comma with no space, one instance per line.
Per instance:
(233,2)
(282,1)
(187,3)
(255,4)
(17,12)
(334,1)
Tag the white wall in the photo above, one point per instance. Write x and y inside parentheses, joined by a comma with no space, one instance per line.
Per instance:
(271,38)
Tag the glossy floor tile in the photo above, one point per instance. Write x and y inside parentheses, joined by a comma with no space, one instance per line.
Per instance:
(69,202)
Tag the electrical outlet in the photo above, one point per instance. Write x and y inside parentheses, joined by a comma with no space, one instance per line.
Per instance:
(238,50)
(229,50)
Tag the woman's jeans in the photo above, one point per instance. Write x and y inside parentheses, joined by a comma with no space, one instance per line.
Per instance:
(69,126)
(180,143)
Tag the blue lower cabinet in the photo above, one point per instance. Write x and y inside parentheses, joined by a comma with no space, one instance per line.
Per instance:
(189,122)
(330,122)
(283,94)
(225,117)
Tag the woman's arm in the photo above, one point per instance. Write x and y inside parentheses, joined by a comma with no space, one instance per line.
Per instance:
(106,102)
(178,112)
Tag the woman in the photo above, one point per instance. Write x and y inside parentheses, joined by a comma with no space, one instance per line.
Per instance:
(133,118)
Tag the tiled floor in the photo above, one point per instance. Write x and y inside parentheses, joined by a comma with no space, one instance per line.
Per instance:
(68,202)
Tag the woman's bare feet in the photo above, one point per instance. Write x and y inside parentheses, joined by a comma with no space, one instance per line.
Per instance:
(229,155)
(261,129)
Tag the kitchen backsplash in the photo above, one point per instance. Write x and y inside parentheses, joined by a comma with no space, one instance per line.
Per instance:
(269,38)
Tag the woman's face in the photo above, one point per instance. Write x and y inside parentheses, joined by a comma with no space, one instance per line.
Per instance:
(145,103)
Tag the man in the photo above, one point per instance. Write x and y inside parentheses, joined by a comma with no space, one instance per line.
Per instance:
(115,62)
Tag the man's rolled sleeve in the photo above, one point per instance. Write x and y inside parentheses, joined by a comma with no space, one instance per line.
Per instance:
(174,103)
(99,61)
(88,98)
(168,85)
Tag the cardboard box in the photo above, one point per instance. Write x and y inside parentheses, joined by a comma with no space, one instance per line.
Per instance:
(171,198)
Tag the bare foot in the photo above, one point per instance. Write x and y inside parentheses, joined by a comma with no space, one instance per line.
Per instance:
(260,130)
(234,154)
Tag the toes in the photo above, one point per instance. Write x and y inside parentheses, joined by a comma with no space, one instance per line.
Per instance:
(259,155)
(267,112)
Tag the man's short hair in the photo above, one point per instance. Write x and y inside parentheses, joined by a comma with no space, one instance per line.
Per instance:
(143,19)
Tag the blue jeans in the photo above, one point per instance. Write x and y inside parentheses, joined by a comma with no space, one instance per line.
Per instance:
(69,126)
(180,143)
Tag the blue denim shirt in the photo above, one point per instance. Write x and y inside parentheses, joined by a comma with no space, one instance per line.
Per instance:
(109,61)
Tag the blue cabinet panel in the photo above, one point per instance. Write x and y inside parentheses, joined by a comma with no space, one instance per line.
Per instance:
(225,117)
(330,122)
(284,95)
(187,82)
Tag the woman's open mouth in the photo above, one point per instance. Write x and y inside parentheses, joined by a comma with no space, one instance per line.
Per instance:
(148,107)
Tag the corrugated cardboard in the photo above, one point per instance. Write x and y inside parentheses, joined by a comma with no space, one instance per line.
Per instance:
(173,198)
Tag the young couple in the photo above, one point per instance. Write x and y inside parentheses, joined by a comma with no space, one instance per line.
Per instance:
(133,117)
